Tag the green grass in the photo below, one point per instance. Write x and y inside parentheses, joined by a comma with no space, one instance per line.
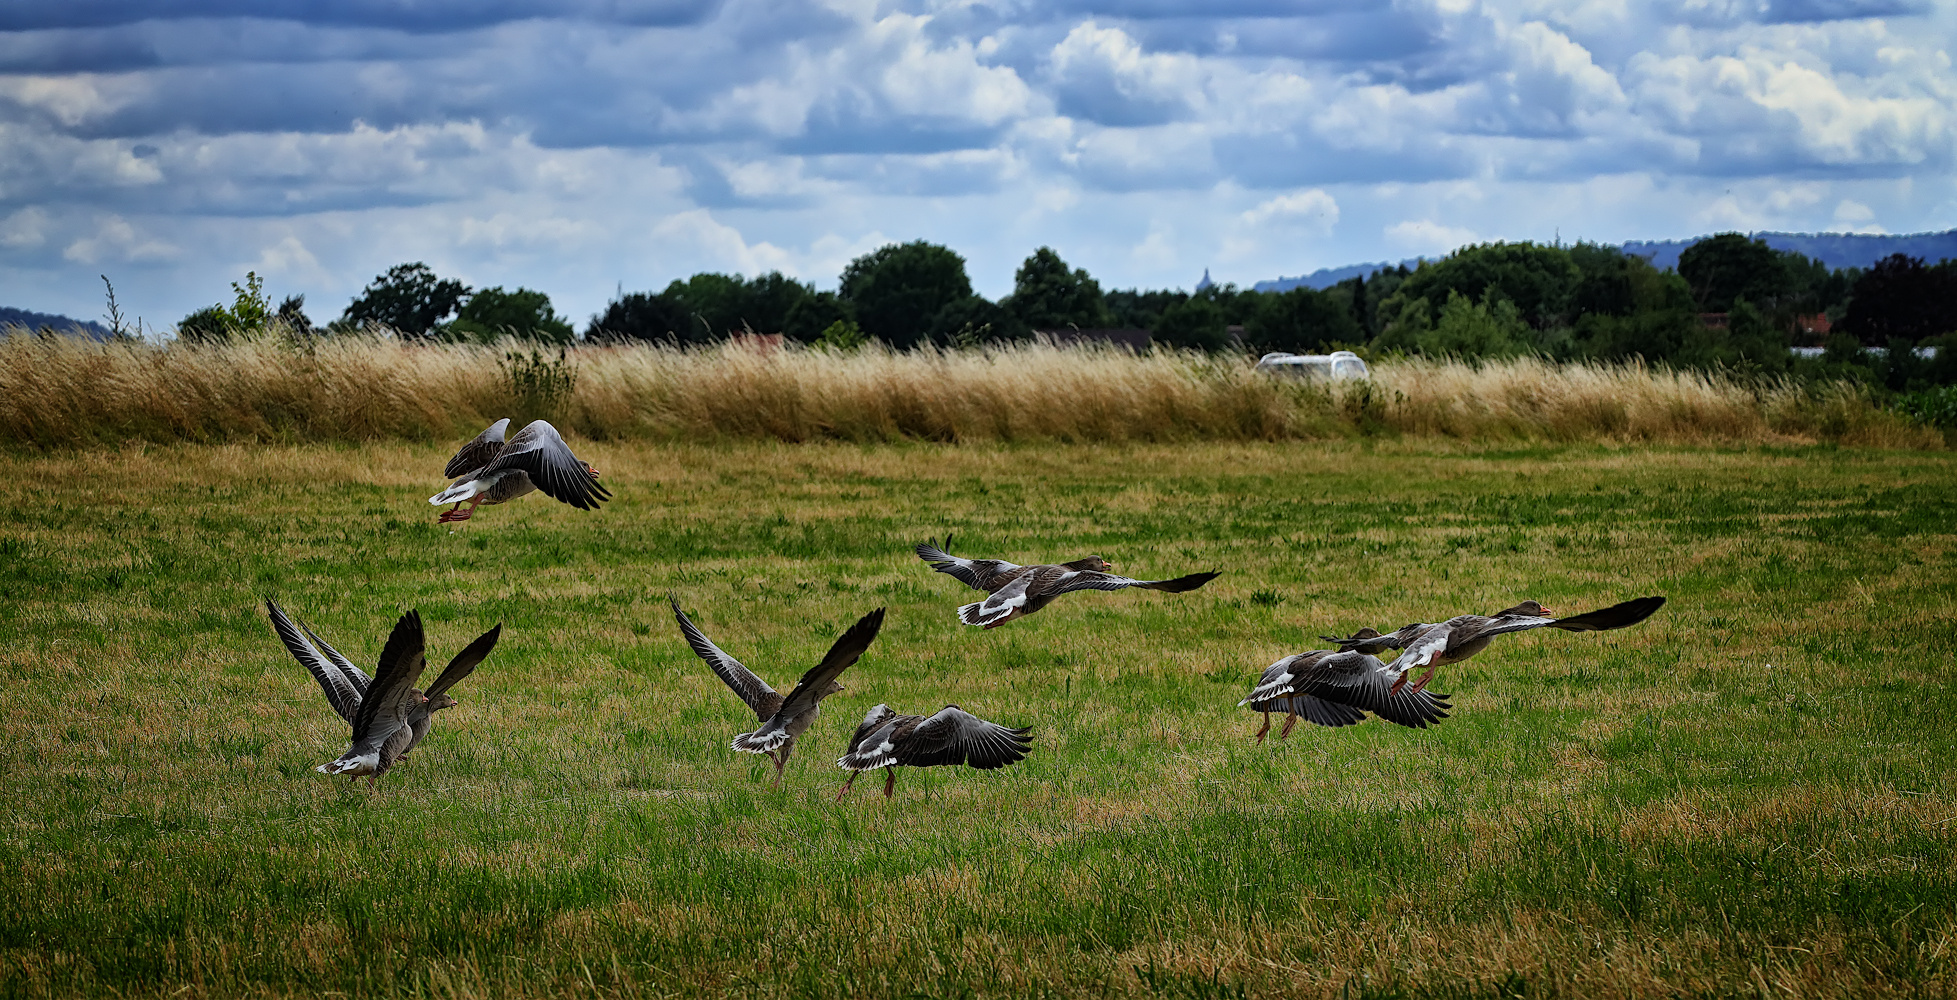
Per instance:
(1653,811)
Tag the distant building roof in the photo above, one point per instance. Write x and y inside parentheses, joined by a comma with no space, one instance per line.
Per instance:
(1206,282)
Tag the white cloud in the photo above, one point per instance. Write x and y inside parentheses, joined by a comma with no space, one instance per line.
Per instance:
(1313,209)
(25,228)
(1427,237)
(582,153)
(116,240)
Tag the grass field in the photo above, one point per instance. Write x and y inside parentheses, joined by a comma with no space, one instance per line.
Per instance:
(1749,794)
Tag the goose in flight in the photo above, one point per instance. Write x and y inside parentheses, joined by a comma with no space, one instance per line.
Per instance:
(380,724)
(1017,591)
(1433,645)
(346,685)
(782,719)
(1337,688)
(951,737)
(491,471)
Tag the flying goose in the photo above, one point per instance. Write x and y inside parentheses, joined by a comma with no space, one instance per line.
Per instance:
(346,685)
(947,739)
(1017,591)
(782,719)
(1434,645)
(1341,684)
(489,471)
(1311,708)
(380,725)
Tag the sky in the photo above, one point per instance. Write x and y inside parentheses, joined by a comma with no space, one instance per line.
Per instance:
(584,147)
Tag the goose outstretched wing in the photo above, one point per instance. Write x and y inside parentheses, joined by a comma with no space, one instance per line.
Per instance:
(846,650)
(465,662)
(979,574)
(541,453)
(759,696)
(477,453)
(1089,579)
(341,693)
(390,698)
(954,736)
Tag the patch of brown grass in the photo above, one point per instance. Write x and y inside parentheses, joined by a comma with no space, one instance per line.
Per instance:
(59,391)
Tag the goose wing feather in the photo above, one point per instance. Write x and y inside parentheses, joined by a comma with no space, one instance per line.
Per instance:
(1620,615)
(954,736)
(465,662)
(389,699)
(541,453)
(479,452)
(765,700)
(341,693)
(979,574)
(1088,579)
(846,650)
(1360,681)
(355,675)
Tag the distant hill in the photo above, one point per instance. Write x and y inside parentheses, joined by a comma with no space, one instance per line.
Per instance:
(1837,250)
(60,324)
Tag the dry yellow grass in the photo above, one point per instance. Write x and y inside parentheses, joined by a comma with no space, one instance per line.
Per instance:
(57,391)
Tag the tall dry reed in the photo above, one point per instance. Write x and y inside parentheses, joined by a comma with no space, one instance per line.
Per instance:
(59,391)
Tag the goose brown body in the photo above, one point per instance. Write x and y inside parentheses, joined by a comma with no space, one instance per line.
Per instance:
(948,738)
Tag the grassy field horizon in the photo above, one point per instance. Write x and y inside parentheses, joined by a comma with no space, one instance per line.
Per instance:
(1746,795)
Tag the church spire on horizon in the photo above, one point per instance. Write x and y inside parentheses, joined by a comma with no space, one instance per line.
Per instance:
(1206,282)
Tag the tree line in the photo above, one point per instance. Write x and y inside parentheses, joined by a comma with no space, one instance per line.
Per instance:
(1732,302)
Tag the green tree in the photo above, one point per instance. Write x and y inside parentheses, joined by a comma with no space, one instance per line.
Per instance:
(976,319)
(209,325)
(292,314)
(409,298)
(1047,295)
(1538,279)
(1133,309)
(1302,320)
(1196,322)
(1899,299)
(248,313)
(813,314)
(896,290)
(1491,328)
(644,316)
(492,313)
(1724,268)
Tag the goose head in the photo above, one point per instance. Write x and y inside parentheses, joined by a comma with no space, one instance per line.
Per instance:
(1095,563)
(1529,608)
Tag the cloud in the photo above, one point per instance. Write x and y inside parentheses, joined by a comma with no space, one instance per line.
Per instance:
(1313,209)
(580,146)
(1101,75)
(1427,237)
(117,241)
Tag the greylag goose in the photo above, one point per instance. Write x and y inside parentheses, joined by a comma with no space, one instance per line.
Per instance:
(380,725)
(490,471)
(782,719)
(346,685)
(947,739)
(1341,687)
(1017,591)
(1437,644)
(1311,708)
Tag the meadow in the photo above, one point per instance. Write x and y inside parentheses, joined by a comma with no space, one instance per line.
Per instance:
(1748,794)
